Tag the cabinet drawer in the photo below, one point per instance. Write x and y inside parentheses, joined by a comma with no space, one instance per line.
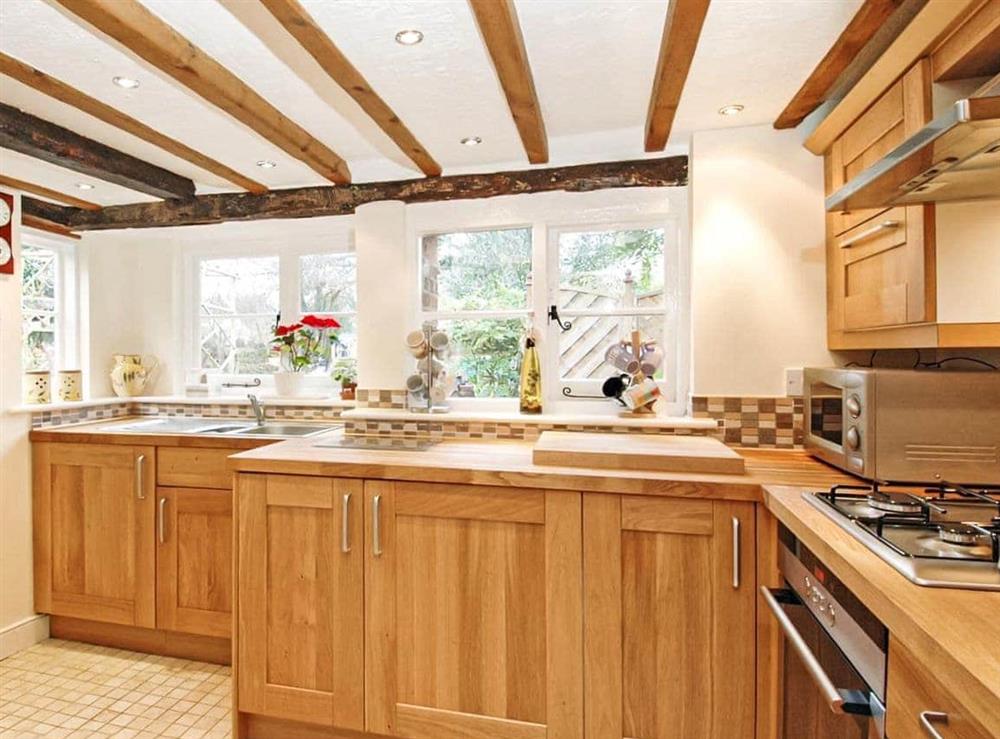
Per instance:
(872,237)
(914,694)
(194,468)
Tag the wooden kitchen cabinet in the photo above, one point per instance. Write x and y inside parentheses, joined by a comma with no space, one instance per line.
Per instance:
(473,622)
(880,262)
(300,599)
(194,560)
(915,695)
(94,547)
(669,614)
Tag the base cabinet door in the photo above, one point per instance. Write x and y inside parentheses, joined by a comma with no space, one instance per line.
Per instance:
(93,526)
(194,560)
(669,615)
(472,612)
(300,599)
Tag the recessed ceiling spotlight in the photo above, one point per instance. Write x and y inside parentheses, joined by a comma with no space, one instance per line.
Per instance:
(471,141)
(84,186)
(127,82)
(409,37)
(731,110)
(266,164)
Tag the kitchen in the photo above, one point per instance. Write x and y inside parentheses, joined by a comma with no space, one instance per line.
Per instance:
(383,369)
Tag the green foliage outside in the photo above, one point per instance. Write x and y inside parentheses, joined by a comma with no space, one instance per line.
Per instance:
(490,270)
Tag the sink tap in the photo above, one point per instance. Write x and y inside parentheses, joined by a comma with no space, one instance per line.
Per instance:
(258,409)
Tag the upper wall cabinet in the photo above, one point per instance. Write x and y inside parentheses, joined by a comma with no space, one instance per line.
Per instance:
(914,270)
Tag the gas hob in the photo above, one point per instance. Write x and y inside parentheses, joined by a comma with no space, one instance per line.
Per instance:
(946,536)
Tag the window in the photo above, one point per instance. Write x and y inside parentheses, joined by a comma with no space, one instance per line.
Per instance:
(606,281)
(240,299)
(475,287)
(48,295)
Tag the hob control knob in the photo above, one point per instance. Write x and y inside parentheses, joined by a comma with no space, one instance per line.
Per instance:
(853,406)
(853,438)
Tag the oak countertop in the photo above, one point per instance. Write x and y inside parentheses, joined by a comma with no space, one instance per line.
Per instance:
(956,633)
(509,463)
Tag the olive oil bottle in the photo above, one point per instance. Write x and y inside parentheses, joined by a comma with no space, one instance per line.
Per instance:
(531,378)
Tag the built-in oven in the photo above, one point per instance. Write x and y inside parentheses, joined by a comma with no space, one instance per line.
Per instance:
(914,426)
(835,652)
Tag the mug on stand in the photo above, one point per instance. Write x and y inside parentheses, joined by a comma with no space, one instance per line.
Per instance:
(416,343)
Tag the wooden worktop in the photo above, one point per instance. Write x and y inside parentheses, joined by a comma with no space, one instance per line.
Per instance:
(955,633)
(508,463)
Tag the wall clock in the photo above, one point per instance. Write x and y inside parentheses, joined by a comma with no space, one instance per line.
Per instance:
(6,238)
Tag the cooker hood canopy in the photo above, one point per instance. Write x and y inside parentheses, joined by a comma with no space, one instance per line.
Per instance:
(954,157)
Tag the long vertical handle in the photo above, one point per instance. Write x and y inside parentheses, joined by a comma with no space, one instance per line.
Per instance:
(376,526)
(140,488)
(929,718)
(736,553)
(345,529)
(160,525)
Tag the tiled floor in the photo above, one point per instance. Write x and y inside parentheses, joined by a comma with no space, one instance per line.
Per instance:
(67,689)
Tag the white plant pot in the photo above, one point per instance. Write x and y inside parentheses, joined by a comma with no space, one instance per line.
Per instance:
(289,384)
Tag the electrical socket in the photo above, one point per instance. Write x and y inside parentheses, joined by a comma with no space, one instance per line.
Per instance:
(793,381)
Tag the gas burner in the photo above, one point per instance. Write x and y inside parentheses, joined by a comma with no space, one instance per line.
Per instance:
(959,533)
(895,503)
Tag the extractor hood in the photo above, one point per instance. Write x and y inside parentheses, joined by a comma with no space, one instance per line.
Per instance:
(954,157)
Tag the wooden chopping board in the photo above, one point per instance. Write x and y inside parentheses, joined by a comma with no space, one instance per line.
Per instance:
(647,452)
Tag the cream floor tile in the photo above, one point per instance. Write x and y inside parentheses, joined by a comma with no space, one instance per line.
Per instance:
(68,689)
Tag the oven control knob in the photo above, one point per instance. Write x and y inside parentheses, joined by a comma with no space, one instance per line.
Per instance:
(831,617)
(853,406)
(853,438)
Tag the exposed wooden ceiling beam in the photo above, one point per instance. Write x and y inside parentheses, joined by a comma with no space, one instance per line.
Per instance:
(301,26)
(501,31)
(861,29)
(41,224)
(64,93)
(147,36)
(40,139)
(310,202)
(47,193)
(681,30)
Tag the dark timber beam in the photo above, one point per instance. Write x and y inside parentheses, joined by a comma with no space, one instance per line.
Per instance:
(46,211)
(40,139)
(311,202)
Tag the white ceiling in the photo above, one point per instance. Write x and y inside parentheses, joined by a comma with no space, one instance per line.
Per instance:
(593,63)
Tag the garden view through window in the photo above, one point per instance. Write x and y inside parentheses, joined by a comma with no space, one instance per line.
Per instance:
(241,298)
(478,286)
(39,308)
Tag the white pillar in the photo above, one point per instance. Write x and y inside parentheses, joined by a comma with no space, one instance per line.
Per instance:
(386,262)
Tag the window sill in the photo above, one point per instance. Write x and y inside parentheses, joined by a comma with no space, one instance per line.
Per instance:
(576,419)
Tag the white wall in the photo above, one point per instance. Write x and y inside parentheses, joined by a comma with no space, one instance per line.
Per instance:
(19,627)
(968,262)
(758,274)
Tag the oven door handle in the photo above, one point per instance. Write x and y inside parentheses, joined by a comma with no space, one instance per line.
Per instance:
(839,700)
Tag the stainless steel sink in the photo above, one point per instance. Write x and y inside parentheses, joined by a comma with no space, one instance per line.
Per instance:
(216,426)
(285,429)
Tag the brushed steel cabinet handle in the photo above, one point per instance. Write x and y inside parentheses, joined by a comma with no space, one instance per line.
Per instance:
(160,524)
(345,529)
(140,463)
(869,232)
(376,526)
(929,718)
(736,553)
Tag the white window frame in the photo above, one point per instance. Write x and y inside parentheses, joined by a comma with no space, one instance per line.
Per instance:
(67,355)
(289,299)
(544,292)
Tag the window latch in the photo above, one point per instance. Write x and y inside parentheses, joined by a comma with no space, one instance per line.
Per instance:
(554,316)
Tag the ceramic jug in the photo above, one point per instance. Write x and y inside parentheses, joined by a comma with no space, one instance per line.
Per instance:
(131,374)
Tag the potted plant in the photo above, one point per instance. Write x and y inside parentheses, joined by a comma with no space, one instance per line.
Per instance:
(345,372)
(301,347)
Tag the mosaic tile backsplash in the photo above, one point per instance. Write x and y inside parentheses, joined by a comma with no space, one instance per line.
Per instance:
(765,422)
